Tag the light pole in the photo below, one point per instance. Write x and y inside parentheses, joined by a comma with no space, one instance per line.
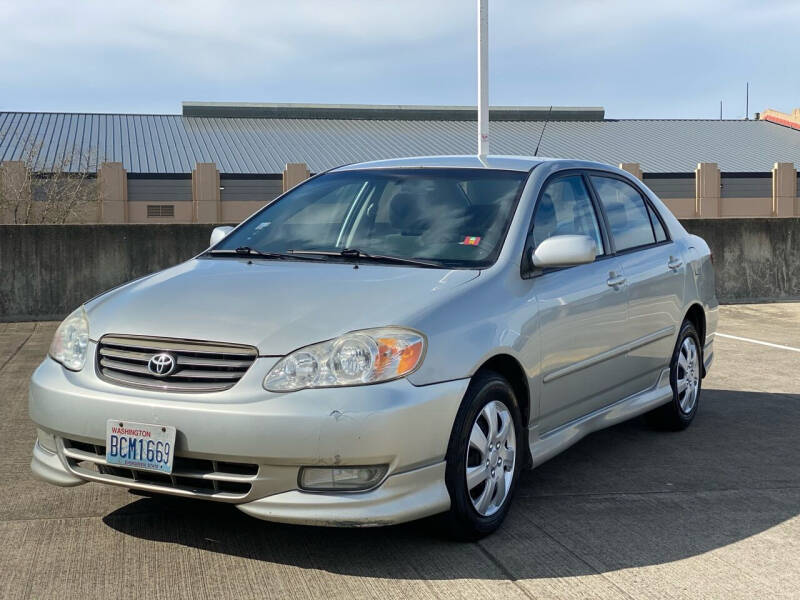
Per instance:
(483,78)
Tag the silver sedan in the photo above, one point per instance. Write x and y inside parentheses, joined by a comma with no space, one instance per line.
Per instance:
(387,341)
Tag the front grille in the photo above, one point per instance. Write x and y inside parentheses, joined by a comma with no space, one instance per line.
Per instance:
(198,366)
(221,480)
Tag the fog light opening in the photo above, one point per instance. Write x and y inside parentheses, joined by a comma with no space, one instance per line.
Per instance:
(337,479)
(47,441)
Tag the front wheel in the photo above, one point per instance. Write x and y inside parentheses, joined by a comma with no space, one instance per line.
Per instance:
(685,377)
(483,458)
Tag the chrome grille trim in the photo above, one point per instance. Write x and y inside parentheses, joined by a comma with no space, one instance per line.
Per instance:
(212,362)
(200,366)
(176,345)
(123,366)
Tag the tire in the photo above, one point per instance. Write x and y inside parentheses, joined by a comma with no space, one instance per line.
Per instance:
(477,509)
(685,377)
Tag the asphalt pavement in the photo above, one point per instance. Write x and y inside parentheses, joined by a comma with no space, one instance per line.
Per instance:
(711,512)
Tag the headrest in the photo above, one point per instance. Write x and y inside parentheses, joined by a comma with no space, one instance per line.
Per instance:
(480,217)
(617,214)
(407,213)
(545,208)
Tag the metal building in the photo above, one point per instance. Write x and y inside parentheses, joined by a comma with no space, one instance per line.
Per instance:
(219,162)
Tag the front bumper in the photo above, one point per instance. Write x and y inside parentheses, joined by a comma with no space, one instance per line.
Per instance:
(394,423)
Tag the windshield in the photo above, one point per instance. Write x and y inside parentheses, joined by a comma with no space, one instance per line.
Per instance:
(451,217)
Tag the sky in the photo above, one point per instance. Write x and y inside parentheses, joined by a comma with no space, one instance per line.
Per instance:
(644,59)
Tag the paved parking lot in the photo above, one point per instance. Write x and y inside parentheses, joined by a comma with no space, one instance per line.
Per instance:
(712,512)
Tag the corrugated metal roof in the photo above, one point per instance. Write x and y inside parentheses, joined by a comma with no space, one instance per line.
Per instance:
(174,143)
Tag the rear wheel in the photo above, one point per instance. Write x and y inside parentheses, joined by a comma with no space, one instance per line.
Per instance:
(685,376)
(483,458)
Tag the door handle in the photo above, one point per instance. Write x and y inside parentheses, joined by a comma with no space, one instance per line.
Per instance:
(615,280)
(674,263)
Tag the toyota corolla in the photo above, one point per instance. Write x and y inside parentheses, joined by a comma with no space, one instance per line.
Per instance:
(384,342)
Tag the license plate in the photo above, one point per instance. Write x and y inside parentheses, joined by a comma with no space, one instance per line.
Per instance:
(139,445)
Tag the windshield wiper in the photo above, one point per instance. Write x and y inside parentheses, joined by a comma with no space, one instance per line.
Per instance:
(360,254)
(248,251)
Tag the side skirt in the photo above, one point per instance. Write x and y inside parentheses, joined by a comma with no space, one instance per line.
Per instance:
(546,446)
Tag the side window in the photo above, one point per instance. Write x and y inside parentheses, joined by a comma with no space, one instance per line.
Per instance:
(565,208)
(658,227)
(626,211)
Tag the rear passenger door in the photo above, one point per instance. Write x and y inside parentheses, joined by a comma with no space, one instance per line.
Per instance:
(654,272)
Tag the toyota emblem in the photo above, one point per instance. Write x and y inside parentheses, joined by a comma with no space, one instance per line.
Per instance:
(161,365)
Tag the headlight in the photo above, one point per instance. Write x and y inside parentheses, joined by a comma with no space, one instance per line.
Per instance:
(357,358)
(71,340)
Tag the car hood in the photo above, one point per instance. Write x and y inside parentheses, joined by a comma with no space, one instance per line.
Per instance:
(275,306)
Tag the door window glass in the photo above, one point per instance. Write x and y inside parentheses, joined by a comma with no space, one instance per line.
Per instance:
(658,227)
(565,208)
(626,211)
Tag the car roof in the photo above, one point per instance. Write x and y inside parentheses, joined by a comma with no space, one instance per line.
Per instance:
(512,163)
(508,163)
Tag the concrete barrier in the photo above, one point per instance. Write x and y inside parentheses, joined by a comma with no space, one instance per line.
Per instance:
(46,271)
(755,259)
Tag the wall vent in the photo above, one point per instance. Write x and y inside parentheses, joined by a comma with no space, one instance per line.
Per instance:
(160,210)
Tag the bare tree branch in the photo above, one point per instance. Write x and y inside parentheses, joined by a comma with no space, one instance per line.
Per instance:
(61,191)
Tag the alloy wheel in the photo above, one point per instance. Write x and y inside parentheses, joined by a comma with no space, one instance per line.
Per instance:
(688,375)
(491,456)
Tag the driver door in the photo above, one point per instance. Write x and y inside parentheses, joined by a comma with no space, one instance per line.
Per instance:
(582,310)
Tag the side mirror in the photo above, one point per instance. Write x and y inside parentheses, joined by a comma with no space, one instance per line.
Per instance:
(564,251)
(219,234)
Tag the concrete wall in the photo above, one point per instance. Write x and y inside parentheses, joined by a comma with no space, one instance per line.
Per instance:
(683,208)
(755,259)
(46,271)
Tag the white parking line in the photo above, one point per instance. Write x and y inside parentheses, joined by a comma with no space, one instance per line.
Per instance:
(743,339)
